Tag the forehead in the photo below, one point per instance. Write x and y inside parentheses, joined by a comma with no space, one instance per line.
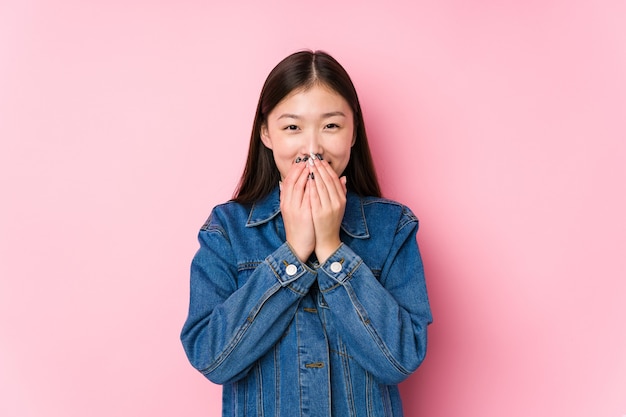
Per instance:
(317,98)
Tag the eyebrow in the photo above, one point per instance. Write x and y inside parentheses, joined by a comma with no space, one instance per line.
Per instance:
(324,116)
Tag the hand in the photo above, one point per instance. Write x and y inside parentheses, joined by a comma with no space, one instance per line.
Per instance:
(295,207)
(327,194)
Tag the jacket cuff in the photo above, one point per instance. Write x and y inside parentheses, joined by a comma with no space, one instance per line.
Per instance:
(338,268)
(289,271)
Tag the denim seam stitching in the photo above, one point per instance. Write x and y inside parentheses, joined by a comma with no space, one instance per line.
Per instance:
(215,229)
(346,369)
(259,390)
(277,378)
(386,400)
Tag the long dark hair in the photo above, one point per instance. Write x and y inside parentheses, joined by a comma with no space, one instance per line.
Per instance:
(302,70)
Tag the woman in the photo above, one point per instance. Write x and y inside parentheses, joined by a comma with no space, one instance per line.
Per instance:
(307,293)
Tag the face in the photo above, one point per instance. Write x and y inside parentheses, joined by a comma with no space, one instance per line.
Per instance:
(316,120)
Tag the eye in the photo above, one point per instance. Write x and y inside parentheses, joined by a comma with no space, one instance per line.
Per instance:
(332,126)
(291,127)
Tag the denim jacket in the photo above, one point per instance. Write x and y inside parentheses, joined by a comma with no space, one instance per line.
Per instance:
(287,338)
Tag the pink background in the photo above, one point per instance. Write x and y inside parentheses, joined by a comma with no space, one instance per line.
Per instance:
(501,123)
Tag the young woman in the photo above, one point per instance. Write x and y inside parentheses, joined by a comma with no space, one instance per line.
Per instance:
(307,293)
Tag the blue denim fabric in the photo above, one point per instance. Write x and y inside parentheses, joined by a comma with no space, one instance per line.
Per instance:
(287,338)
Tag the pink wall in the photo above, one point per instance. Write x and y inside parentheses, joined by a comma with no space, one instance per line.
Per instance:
(502,124)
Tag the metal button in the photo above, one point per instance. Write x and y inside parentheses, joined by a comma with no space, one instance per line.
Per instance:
(291,269)
(335,267)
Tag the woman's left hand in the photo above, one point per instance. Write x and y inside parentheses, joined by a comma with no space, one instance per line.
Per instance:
(327,194)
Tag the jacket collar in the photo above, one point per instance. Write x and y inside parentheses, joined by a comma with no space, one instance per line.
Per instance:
(353,223)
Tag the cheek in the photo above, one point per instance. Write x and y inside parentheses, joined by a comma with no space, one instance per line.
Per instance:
(283,167)
(284,147)
(339,168)
(340,161)
(284,158)
(284,161)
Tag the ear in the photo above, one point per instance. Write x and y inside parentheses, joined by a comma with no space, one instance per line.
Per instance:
(265,137)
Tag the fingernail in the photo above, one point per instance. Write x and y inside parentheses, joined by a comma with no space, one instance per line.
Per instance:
(305,158)
(319,156)
(298,159)
(311,176)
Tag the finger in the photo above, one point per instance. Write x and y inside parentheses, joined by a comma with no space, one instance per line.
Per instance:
(329,184)
(319,186)
(308,192)
(293,174)
(344,184)
(313,190)
(300,184)
(293,184)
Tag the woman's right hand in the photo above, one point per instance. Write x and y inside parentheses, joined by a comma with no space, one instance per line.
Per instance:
(295,207)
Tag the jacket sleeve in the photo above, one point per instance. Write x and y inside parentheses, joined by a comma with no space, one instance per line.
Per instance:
(382,321)
(229,328)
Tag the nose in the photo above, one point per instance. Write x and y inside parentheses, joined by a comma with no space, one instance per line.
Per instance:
(312,144)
